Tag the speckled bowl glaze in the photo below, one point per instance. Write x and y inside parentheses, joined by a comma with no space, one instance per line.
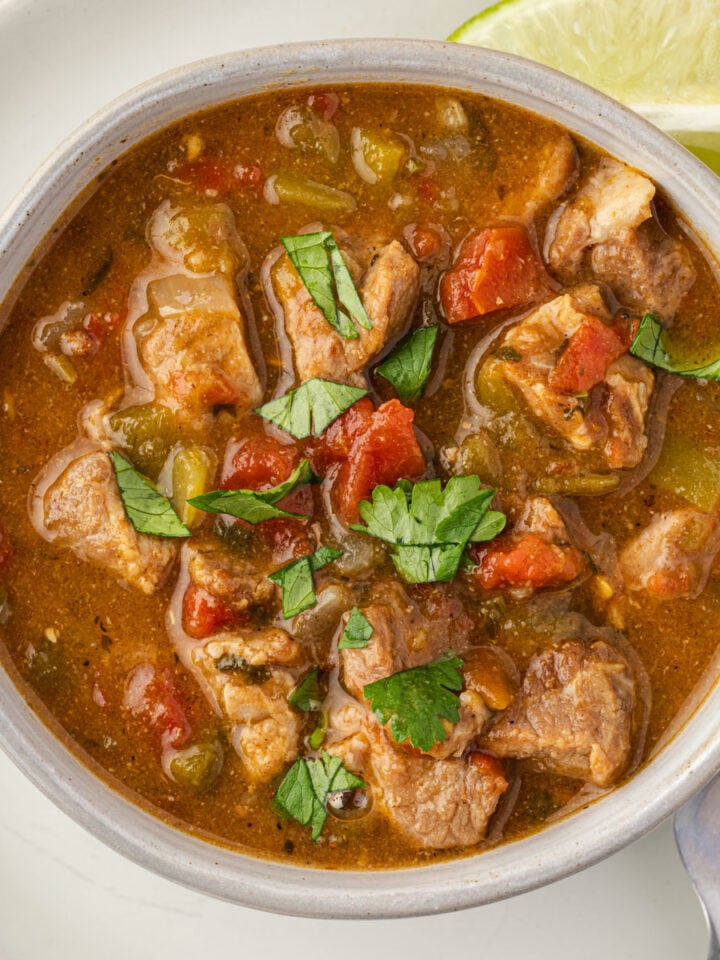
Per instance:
(690,753)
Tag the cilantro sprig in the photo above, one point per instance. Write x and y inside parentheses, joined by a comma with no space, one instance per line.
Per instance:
(408,366)
(147,509)
(415,701)
(296,580)
(304,790)
(319,262)
(648,346)
(307,695)
(357,632)
(311,407)
(428,527)
(254,506)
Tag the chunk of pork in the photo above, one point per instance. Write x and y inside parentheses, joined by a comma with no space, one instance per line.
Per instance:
(434,803)
(249,675)
(76,503)
(232,580)
(672,556)
(402,638)
(388,290)
(574,714)
(611,219)
(612,417)
(192,346)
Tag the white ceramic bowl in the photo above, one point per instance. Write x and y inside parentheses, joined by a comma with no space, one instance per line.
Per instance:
(680,766)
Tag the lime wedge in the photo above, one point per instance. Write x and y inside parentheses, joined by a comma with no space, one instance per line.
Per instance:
(659,57)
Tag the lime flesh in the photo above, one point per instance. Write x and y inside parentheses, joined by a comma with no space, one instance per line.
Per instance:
(659,57)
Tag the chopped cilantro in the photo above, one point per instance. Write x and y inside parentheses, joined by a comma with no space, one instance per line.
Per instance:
(429,527)
(307,695)
(296,580)
(414,701)
(311,407)
(647,346)
(320,264)
(253,506)
(357,632)
(147,510)
(408,366)
(305,788)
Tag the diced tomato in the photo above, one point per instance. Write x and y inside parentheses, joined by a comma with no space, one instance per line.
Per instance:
(326,104)
(258,461)
(490,766)
(218,176)
(526,562)
(249,175)
(335,444)
(495,269)
(204,614)
(287,539)
(385,452)
(152,700)
(428,190)
(207,174)
(426,240)
(584,362)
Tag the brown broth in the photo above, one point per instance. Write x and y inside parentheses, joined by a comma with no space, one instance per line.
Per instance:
(101,627)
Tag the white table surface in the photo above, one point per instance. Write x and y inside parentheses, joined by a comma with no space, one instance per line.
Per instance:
(63,895)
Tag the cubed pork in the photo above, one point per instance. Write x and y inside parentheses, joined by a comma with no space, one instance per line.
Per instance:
(609,413)
(610,219)
(574,714)
(76,503)
(672,556)
(192,346)
(388,289)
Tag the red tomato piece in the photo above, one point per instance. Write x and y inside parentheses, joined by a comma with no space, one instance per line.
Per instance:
(249,175)
(489,765)
(206,174)
(326,104)
(384,452)
(495,269)
(584,362)
(527,562)
(152,699)
(426,241)
(204,614)
(258,461)
(335,444)
(287,539)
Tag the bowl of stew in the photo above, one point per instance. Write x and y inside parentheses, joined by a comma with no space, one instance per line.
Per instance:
(359,489)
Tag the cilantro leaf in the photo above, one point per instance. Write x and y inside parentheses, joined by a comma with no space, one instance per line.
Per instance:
(647,346)
(320,264)
(430,527)
(357,632)
(346,291)
(414,701)
(296,580)
(305,788)
(253,506)
(408,366)
(147,510)
(311,407)
(307,695)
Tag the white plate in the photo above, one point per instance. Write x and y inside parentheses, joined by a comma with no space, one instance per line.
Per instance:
(63,893)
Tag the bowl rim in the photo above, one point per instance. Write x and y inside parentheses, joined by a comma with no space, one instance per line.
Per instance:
(674,774)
